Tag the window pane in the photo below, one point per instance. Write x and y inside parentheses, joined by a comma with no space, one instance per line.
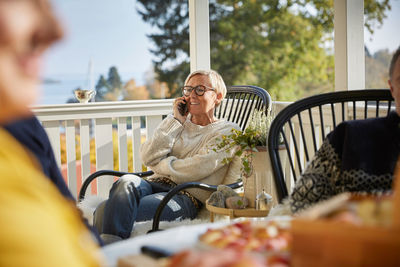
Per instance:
(380,46)
(284,47)
(103,39)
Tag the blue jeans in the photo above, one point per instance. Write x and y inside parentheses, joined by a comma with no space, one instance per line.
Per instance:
(132,199)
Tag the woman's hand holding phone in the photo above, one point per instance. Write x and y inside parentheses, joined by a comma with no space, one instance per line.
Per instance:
(181,109)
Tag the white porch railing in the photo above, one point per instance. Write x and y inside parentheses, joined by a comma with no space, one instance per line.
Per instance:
(96,121)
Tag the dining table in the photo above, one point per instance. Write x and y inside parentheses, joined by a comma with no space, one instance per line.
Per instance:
(172,239)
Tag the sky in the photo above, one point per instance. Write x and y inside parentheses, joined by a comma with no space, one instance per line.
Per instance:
(387,36)
(107,32)
(112,33)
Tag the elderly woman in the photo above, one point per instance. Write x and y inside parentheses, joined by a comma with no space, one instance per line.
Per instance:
(38,226)
(178,152)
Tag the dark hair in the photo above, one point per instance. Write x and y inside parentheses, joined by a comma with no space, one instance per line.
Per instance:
(393,62)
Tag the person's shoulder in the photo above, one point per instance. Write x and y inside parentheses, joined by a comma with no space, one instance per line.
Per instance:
(26,127)
(358,128)
(362,124)
(13,158)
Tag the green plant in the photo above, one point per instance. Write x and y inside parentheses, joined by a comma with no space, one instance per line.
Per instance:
(247,141)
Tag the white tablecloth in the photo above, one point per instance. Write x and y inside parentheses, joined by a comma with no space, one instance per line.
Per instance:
(174,239)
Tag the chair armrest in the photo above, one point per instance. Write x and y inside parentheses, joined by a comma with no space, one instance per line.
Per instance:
(176,190)
(94,175)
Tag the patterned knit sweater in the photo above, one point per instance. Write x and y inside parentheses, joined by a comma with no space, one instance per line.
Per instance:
(183,153)
(358,156)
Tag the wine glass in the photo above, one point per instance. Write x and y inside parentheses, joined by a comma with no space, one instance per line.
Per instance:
(83,96)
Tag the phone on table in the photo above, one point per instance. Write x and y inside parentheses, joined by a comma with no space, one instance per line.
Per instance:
(182,108)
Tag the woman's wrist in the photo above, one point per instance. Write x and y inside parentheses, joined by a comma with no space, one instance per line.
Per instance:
(178,120)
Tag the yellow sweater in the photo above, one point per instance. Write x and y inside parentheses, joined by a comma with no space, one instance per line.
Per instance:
(38,227)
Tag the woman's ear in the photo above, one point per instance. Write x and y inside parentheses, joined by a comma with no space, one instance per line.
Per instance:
(218,99)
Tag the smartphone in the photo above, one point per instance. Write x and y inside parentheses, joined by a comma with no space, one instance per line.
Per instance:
(182,107)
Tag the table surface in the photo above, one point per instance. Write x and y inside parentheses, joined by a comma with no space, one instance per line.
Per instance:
(174,239)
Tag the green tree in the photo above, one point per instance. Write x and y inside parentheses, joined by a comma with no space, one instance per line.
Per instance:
(275,44)
(102,87)
(383,56)
(156,88)
(377,69)
(110,88)
(134,92)
(114,80)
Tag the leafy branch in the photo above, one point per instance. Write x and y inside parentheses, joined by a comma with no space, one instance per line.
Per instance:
(246,141)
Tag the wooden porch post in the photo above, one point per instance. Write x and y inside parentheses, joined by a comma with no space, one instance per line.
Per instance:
(199,32)
(349,44)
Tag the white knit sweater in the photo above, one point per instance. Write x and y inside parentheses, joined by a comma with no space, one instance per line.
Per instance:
(183,153)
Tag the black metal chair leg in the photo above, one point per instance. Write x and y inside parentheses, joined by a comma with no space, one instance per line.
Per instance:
(94,175)
(177,189)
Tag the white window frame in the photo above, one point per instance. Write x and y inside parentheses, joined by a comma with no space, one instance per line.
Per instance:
(348,41)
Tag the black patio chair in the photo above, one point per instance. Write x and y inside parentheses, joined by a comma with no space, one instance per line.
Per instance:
(304,124)
(239,104)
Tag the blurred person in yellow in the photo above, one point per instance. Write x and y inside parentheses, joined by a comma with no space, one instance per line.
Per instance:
(38,226)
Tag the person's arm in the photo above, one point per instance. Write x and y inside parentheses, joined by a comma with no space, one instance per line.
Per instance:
(318,181)
(30,133)
(194,168)
(38,226)
(160,145)
(315,184)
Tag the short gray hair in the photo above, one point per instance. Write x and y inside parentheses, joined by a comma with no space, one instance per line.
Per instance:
(216,80)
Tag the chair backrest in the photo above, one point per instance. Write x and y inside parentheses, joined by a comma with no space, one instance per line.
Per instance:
(241,101)
(303,125)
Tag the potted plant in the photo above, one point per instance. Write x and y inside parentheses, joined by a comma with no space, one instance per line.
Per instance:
(251,148)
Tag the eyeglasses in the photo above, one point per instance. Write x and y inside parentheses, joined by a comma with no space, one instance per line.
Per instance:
(199,90)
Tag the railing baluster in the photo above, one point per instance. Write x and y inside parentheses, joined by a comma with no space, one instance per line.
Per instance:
(84,132)
(136,140)
(71,157)
(104,153)
(53,131)
(122,145)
